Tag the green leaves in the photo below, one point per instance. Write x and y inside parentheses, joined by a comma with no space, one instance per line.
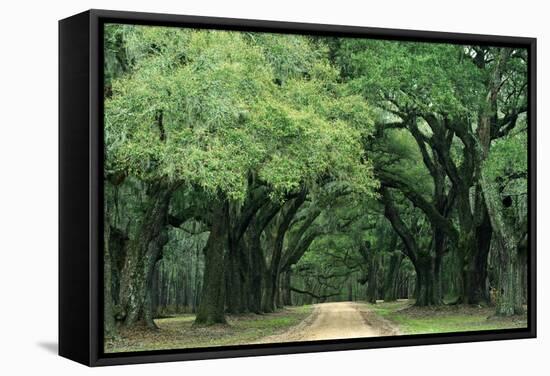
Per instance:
(506,165)
(206,108)
(420,77)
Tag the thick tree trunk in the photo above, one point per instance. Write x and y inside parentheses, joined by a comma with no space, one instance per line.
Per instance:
(286,293)
(511,263)
(142,254)
(439,244)
(372,279)
(510,297)
(426,281)
(279,294)
(476,288)
(258,267)
(238,269)
(392,274)
(108,312)
(268,295)
(118,245)
(235,279)
(424,263)
(212,302)
(282,225)
(257,270)
(508,242)
(245,275)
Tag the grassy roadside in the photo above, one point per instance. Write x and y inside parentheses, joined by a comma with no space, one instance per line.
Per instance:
(443,319)
(179,333)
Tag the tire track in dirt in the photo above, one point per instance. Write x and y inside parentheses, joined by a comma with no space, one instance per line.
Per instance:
(336,321)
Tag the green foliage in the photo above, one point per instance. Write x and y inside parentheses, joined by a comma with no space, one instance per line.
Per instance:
(421,76)
(216,114)
(206,108)
(508,157)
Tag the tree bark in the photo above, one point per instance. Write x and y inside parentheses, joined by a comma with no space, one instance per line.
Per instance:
(285,288)
(212,302)
(258,267)
(392,274)
(142,254)
(372,271)
(510,294)
(426,281)
(257,270)
(238,258)
(108,312)
(476,290)
(423,262)
(235,278)
(272,276)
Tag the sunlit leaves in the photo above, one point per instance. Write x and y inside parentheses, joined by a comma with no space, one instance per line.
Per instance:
(418,76)
(207,108)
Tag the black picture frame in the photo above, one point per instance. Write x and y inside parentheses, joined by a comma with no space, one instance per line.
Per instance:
(81,196)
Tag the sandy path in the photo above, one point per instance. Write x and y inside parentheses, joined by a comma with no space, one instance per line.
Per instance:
(336,321)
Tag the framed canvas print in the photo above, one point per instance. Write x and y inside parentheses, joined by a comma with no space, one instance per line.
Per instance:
(235,187)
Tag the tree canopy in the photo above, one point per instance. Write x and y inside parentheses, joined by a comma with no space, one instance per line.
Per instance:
(245,171)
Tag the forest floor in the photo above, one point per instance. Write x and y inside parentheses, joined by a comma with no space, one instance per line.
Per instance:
(324,321)
(443,319)
(178,332)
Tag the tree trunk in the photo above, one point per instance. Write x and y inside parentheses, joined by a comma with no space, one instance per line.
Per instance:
(477,290)
(108,312)
(510,294)
(426,279)
(234,279)
(257,270)
(392,274)
(279,294)
(286,293)
(510,297)
(372,277)
(282,225)
(268,295)
(258,267)
(142,254)
(212,301)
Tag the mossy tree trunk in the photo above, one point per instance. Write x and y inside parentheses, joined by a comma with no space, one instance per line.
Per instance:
(141,256)
(211,309)
(235,279)
(424,262)
(507,241)
(281,226)
(238,258)
(257,271)
(108,311)
(285,288)
(510,254)
(426,281)
(372,274)
(258,267)
(391,278)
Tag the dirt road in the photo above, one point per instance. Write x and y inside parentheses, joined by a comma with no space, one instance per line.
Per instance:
(336,321)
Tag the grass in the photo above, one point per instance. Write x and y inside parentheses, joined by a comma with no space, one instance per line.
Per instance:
(444,319)
(178,332)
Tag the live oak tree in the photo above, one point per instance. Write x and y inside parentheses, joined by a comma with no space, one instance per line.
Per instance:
(454,100)
(213,111)
(248,171)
